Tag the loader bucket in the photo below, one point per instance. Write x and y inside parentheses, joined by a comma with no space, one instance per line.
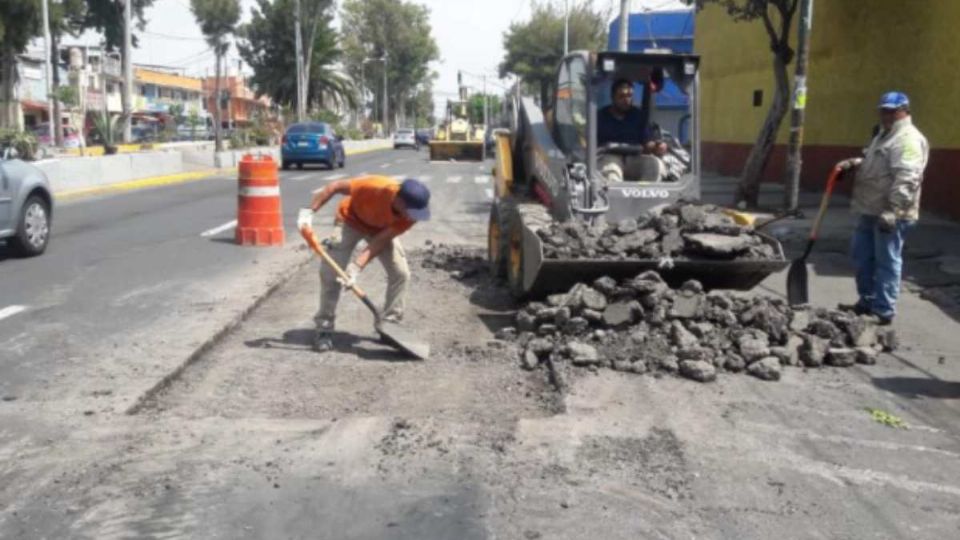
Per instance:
(456,150)
(541,276)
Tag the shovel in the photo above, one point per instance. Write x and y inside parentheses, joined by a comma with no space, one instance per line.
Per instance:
(798,284)
(390,333)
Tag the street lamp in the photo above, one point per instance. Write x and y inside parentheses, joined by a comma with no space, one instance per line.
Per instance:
(385,61)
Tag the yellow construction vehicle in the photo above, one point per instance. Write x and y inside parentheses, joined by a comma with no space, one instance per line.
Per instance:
(457,139)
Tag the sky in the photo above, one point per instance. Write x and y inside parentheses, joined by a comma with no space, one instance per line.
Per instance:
(470,37)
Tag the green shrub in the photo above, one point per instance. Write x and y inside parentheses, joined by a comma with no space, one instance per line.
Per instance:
(24,143)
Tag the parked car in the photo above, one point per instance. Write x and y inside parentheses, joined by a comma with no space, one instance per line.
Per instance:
(312,142)
(424,136)
(26,205)
(405,138)
(71,137)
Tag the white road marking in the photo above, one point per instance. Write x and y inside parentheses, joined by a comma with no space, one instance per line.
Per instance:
(385,165)
(489,193)
(482,179)
(425,179)
(10,311)
(300,177)
(217,230)
(337,176)
(454,179)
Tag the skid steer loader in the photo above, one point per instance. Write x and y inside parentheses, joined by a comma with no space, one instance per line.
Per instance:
(547,171)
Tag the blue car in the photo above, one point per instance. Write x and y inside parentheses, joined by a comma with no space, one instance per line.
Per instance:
(312,142)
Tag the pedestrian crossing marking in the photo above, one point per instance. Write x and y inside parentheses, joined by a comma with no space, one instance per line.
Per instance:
(482,179)
(454,179)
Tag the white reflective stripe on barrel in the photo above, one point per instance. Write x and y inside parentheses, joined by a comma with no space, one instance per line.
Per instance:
(260,191)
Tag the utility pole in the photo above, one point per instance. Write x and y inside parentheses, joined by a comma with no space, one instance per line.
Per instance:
(566,27)
(624,25)
(386,101)
(54,123)
(127,69)
(301,106)
(486,123)
(794,159)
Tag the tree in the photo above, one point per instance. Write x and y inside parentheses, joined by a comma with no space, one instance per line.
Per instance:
(218,19)
(106,18)
(534,48)
(475,107)
(19,22)
(66,17)
(267,45)
(777,17)
(399,29)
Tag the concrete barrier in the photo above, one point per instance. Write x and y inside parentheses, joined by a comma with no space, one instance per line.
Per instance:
(79,173)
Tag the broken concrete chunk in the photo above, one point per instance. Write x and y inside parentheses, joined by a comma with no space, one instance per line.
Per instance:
(561,316)
(734,363)
(693,216)
(540,346)
(862,331)
(672,243)
(887,338)
(593,299)
(618,314)
(841,357)
(681,337)
(581,354)
(698,370)
(605,285)
(592,316)
(508,333)
(530,361)
(576,326)
(767,368)
(627,226)
(547,329)
(866,356)
(718,245)
(557,300)
(799,319)
(686,306)
(692,286)
(668,363)
(526,322)
(752,348)
(813,350)
(824,329)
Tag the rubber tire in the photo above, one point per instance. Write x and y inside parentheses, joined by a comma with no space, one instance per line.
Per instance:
(285,165)
(300,166)
(514,235)
(497,255)
(19,242)
(343,160)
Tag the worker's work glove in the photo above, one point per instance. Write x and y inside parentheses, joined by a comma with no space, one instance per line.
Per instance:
(304,218)
(887,222)
(352,271)
(847,166)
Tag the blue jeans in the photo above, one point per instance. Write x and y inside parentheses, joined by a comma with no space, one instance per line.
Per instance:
(879,261)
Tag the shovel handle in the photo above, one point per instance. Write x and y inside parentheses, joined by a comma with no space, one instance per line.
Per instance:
(825,201)
(311,237)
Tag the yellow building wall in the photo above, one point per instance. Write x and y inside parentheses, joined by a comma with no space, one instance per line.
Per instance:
(859,49)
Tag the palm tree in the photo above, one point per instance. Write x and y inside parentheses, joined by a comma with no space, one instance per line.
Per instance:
(218,19)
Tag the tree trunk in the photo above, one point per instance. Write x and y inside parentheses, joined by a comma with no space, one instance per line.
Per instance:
(57,112)
(748,192)
(10,114)
(217,122)
(544,95)
(125,105)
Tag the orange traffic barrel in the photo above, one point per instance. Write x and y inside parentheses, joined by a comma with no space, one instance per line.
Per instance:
(259,213)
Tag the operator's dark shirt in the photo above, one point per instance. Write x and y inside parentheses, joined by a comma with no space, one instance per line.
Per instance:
(611,129)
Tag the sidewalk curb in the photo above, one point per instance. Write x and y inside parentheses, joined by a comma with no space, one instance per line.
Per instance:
(143,400)
(143,183)
(168,180)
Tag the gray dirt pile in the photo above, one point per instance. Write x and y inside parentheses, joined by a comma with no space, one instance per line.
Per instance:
(679,231)
(460,262)
(641,325)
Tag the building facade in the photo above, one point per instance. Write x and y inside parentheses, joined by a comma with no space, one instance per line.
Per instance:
(858,51)
(240,104)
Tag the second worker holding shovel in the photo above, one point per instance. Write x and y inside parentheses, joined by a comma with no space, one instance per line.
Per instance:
(377,209)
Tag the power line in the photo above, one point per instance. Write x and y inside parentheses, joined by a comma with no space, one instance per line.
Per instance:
(171,36)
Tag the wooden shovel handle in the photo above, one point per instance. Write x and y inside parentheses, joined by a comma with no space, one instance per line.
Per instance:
(825,201)
(314,243)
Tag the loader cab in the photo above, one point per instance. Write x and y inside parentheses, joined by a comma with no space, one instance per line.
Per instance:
(660,161)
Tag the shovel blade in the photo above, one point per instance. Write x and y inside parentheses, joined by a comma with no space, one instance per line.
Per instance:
(403,340)
(798,287)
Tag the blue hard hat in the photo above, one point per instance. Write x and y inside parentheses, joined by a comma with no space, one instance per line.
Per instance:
(416,195)
(894,100)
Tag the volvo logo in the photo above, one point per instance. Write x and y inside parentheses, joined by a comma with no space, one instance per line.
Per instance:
(645,193)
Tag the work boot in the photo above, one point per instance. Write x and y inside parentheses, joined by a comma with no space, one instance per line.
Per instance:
(323,337)
(857,309)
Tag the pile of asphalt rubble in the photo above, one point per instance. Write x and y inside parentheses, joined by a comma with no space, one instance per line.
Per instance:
(641,325)
(679,231)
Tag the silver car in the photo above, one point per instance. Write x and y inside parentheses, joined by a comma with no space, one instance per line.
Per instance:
(405,137)
(26,205)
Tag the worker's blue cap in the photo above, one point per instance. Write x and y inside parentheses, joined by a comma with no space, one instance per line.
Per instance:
(417,198)
(894,100)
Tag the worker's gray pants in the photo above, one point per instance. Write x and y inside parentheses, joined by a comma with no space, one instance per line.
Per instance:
(639,168)
(340,245)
